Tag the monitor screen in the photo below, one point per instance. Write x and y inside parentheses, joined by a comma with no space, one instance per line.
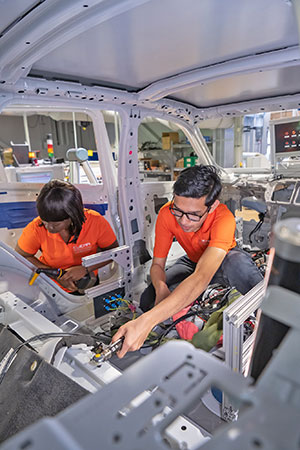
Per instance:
(20,152)
(287,138)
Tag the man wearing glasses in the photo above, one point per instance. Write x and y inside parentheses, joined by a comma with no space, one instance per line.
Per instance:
(205,229)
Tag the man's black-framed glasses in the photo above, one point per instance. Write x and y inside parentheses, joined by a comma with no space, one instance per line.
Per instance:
(190,216)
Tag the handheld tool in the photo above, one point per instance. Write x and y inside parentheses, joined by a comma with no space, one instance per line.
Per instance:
(85,282)
(53,273)
(108,352)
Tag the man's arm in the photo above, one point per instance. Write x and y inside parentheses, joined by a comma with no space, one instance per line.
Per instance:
(158,278)
(136,331)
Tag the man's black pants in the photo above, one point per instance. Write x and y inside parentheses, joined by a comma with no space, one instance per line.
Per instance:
(237,270)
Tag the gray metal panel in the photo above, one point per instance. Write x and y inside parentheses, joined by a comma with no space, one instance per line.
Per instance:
(160,39)
(210,53)
(11,10)
(134,411)
(270,83)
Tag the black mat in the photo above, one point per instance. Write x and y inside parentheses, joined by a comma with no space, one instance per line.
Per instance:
(27,395)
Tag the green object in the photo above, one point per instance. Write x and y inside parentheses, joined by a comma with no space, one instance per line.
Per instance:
(190,161)
(208,337)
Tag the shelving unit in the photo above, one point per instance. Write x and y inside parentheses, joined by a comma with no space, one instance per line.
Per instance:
(170,157)
(156,173)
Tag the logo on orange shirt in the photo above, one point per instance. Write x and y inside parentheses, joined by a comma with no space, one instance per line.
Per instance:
(82,248)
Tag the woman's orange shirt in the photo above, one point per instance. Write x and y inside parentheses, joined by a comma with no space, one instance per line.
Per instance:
(96,233)
(217,231)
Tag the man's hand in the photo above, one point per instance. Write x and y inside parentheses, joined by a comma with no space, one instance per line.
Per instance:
(135,333)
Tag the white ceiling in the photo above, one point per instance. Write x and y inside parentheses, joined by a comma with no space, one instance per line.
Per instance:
(134,43)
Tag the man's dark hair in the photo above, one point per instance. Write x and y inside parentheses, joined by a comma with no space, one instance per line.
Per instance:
(59,200)
(199,181)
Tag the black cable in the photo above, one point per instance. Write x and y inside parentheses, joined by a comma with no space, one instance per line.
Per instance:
(170,327)
(40,337)
(150,345)
(223,301)
(257,226)
(207,311)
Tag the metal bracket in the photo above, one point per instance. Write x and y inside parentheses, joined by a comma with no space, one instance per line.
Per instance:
(237,352)
(121,255)
(118,254)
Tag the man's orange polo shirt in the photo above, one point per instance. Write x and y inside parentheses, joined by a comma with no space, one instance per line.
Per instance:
(217,231)
(96,233)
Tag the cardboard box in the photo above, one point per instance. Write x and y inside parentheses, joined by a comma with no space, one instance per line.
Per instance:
(167,138)
(180,163)
(281,115)
(7,157)
(154,162)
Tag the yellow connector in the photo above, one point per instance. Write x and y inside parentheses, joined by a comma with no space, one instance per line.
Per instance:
(33,278)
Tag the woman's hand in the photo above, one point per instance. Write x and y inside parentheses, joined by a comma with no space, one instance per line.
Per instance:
(69,285)
(73,274)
